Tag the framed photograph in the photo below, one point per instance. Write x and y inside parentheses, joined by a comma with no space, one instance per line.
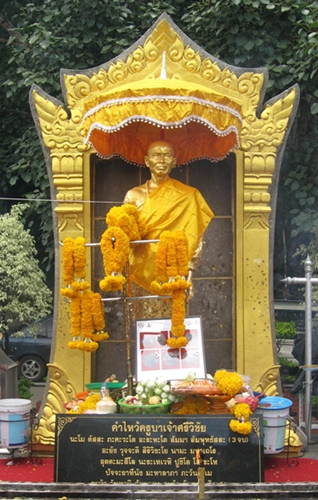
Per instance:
(155,358)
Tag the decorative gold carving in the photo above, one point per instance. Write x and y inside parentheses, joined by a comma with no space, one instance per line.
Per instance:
(137,61)
(268,131)
(182,63)
(268,381)
(256,425)
(60,391)
(256,221)
(63,421)
(70,222)
(58,131)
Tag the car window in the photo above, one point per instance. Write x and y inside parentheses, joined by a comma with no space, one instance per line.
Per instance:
(46,331)
(40,329)
(44,328)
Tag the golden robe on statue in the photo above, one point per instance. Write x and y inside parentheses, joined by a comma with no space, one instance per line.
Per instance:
(171,206)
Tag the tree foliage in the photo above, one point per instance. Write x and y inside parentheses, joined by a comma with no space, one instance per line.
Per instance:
(24,296)
(40,37)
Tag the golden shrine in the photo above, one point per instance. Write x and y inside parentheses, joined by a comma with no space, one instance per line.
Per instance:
(207,109)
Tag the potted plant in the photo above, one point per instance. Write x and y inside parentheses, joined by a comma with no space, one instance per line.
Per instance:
(285,335)
(288,371)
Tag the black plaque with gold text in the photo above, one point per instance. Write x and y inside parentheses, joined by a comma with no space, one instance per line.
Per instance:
(151,449)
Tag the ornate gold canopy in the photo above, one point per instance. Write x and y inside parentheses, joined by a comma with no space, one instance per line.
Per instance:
(197,121)
(108,106)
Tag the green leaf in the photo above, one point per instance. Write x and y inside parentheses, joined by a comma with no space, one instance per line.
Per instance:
(249,45)
(26,176)
(314,108)
(13,180)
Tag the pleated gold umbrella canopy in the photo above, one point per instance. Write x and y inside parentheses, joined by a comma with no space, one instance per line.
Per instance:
(197,121)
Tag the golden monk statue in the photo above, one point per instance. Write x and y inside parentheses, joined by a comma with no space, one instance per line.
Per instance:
(166,205)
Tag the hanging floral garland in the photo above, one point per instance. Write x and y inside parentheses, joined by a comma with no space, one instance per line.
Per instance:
(68,261)
(125,224)
(172,260)
(242,413)
(130,221)
(114,246)
(86,310)
(231,383)
(80,257)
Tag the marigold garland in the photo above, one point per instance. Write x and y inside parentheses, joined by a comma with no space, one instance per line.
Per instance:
(241,411)
(97,312)
(177,320)
(80,257)
(87,327)
(229,383)
(89,404)
(86,310)
(114,246)
(128,219)
(240,427)
(171,269)
(87,345)
(68,260)
(75,312)
(191,405)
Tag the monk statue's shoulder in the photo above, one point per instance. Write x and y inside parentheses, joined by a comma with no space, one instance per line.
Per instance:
(137,195)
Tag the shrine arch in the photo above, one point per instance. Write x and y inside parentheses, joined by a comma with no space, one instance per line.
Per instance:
(255,151)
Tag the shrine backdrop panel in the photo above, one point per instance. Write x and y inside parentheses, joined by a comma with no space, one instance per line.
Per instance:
(214,281)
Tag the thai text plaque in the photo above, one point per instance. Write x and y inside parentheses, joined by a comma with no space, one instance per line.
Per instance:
(151,449)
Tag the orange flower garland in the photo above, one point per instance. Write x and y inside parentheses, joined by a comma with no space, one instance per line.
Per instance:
(124,225)
(191,405)
(80,257)
(86,308)
(172,268)
(98,318)
(115,250)
(68,260)
(128,219)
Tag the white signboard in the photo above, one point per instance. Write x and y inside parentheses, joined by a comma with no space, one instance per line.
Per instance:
(155,358)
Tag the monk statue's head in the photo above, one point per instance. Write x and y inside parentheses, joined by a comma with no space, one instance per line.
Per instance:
(160,159)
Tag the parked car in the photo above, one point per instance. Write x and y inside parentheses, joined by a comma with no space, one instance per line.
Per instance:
(30,348)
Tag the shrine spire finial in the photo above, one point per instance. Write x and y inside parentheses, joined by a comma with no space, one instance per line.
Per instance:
(163,74)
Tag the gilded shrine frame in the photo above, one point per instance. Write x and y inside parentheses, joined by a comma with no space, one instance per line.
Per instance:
(262,139)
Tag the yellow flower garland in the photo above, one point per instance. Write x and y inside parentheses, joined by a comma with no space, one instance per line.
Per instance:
(240,427)
(242,412)
(229,383)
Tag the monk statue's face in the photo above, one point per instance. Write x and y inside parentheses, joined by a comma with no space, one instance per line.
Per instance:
(160,160)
